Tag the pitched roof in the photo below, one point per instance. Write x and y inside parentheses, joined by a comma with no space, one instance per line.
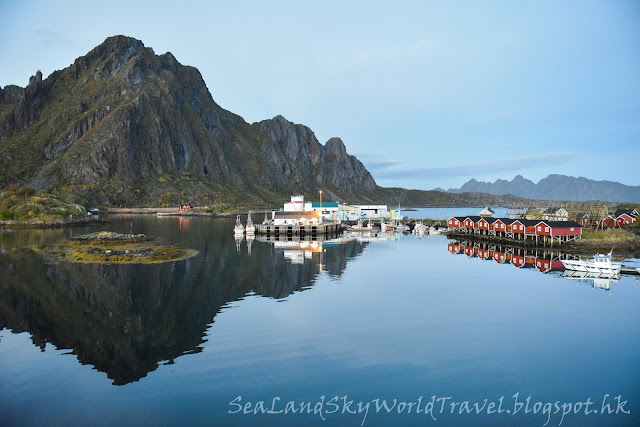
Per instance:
(527,222)
(629,212)
(506,220)
(474,218)
(560,223)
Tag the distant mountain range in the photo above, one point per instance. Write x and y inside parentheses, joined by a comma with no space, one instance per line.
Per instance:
(556,187)
(122,126)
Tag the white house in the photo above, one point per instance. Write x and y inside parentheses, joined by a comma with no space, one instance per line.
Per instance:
(348,213)
(373,211)
(295,205)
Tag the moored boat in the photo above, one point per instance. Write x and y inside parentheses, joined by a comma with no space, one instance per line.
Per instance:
(385,226)
(238,230)
(401,228)
(250,229)
(597,264)
(420,228)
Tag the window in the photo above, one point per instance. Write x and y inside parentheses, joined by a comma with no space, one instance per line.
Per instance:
(539,228)
(546,229)
(571,228)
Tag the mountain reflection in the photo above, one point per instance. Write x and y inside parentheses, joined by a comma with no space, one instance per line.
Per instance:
(125,319)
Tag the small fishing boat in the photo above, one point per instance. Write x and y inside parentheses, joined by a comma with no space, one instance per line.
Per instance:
(238,230)
(420,228)
(250,229)
(385,226)
(401,228)
(359,227)
(434,231)
(597,264)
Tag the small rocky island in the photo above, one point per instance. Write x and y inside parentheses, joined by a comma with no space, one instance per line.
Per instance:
(115,248)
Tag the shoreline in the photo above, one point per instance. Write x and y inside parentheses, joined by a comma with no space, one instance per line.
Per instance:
(51,224)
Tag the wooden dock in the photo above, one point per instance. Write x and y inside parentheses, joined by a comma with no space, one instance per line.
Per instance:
(630,271)
(298,230)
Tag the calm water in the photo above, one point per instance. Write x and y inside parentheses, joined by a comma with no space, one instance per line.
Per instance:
(358,320)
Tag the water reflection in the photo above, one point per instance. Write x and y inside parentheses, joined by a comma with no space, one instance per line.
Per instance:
(125,320)
(545,260)
(598,281)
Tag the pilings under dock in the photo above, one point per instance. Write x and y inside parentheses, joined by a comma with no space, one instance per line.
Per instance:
(298,230)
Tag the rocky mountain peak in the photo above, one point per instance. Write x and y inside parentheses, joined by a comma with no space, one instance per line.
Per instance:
(335,146)
(27,110)
(121,46)
(35,82)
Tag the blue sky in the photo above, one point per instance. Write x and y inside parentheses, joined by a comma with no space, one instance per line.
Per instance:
(426,93)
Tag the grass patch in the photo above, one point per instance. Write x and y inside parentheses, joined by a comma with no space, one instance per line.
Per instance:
(134,256)
(612,235)
(113,248)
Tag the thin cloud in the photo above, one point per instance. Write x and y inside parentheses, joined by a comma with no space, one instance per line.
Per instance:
(51,38)
(375,162)
(484,168)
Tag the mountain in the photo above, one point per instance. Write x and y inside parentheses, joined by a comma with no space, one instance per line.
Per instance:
(557,187)
(124,126)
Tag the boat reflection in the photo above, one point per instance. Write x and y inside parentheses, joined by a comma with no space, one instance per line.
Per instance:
(598,281)
(544,260)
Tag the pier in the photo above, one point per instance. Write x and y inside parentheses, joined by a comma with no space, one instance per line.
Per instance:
(298,230)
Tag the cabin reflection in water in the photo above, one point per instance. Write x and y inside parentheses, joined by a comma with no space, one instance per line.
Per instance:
(544,260)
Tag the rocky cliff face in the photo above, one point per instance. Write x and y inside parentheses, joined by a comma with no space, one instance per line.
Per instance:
(123,125)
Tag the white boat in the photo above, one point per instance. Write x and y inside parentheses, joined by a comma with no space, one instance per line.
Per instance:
(434,231)
(238,230)
(250,229)
(385,226)
(420,228)
(597,264)
(358,227)
(401,228)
